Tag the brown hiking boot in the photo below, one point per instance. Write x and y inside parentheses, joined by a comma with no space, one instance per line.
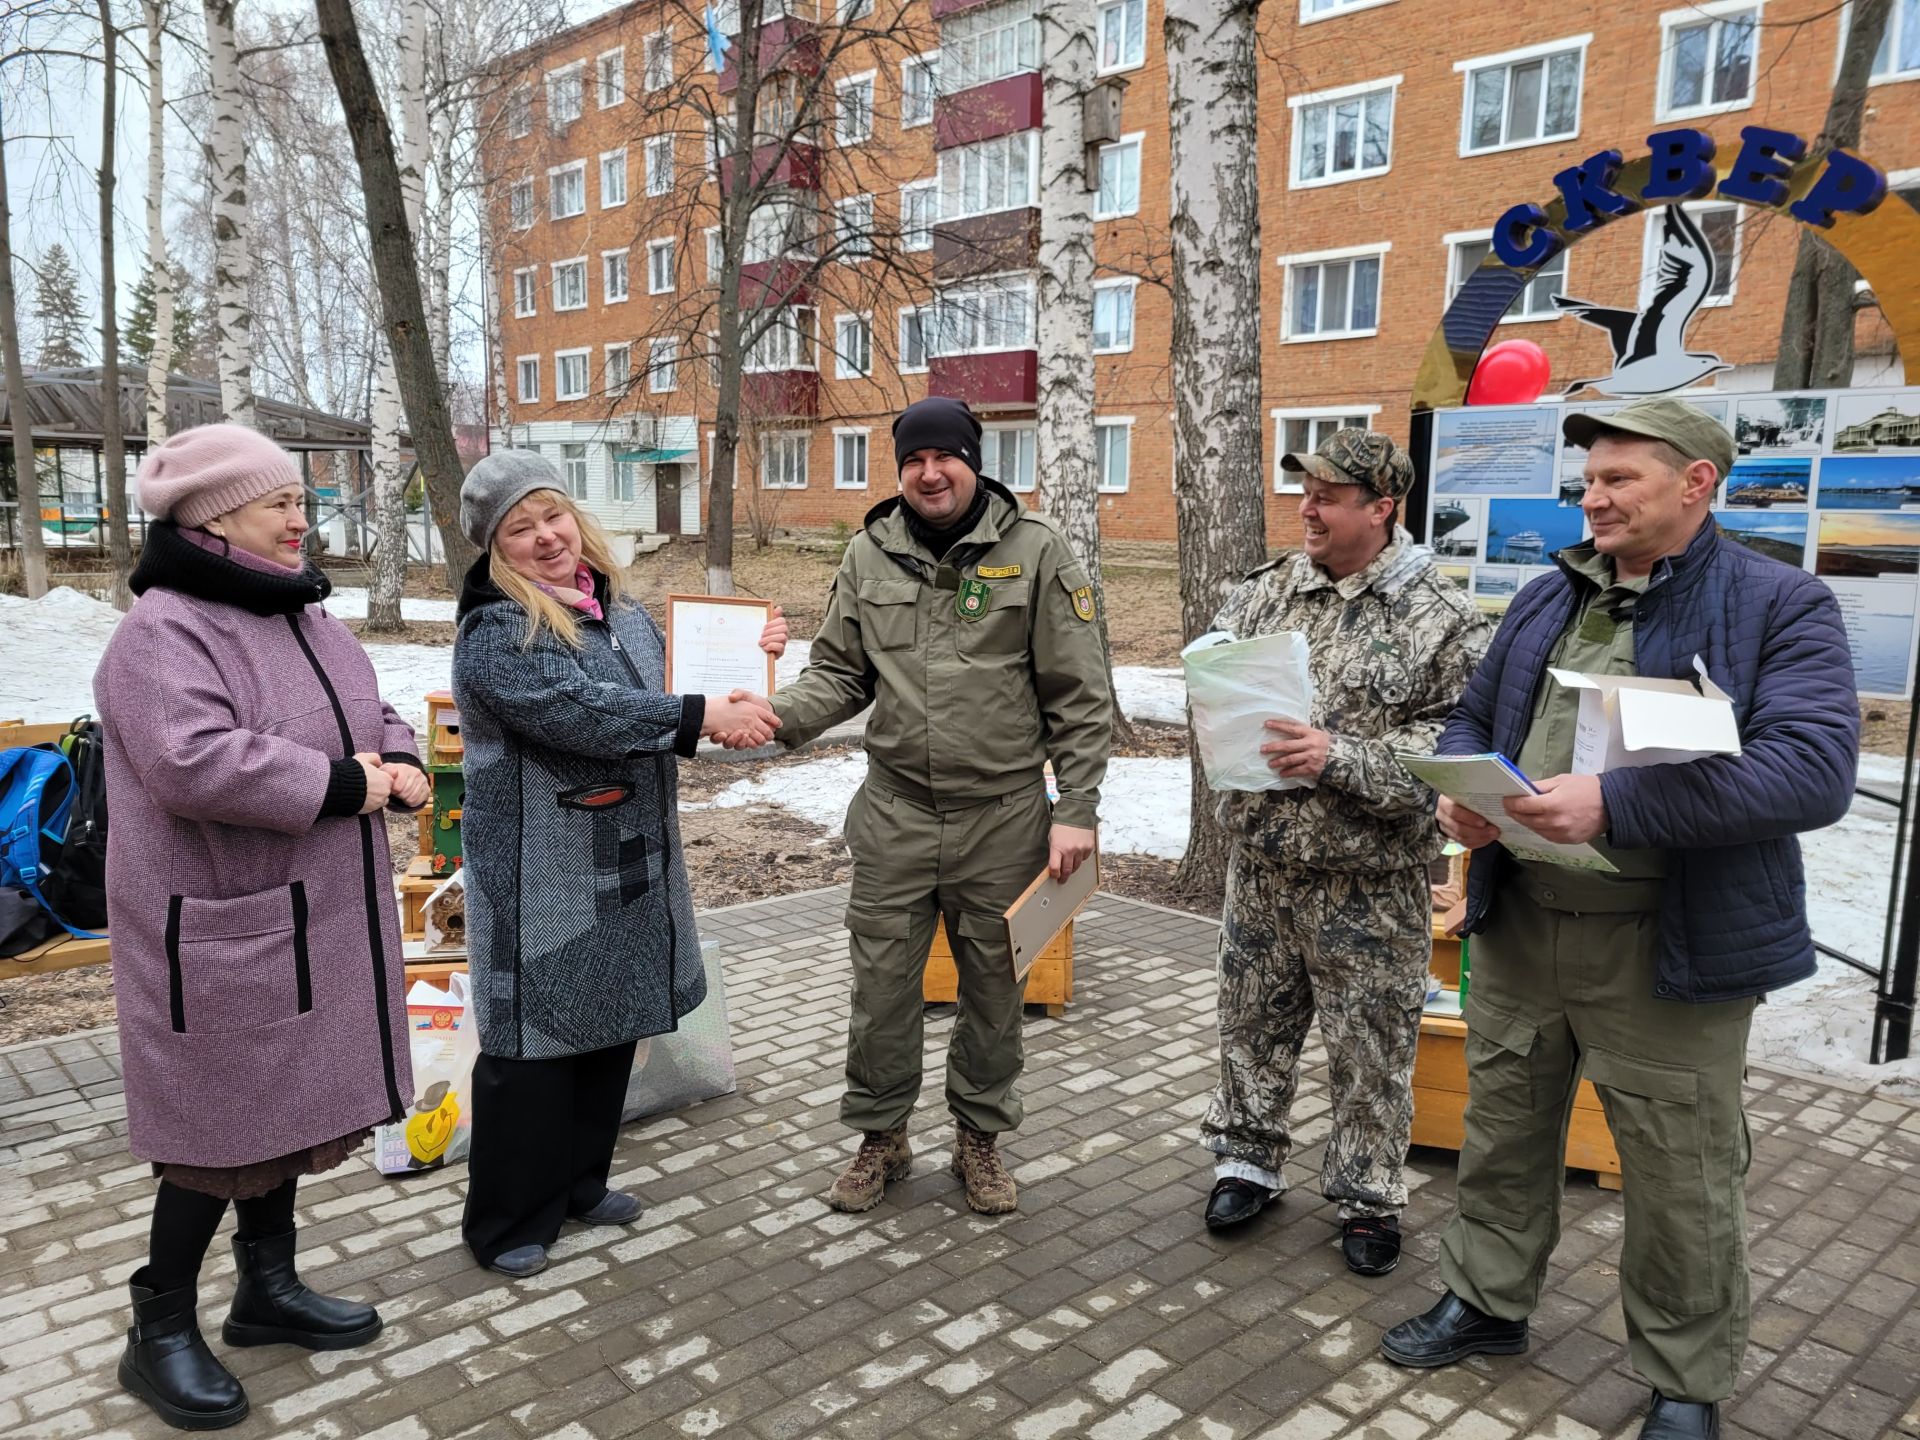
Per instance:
(976,1164)
(883,1156)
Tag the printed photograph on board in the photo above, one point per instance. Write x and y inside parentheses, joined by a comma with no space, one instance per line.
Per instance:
(1497,582)
(1459,527)
(1777,534)
(1877,422)
(1496,451)
(1769,483)
(1527,532)
(1870,482)
(1460,575)
(1780,422)
(1862,546)
(1879,616)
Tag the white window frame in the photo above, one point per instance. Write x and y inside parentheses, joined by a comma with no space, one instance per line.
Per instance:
(1288,482)
(1023,282)
(929,62)
(607,95)
(851,247)
(1135,142)
(517,218)
(659,177)
(716,255)
(1100,14)
(576,74)
(527,303)
(521,393)
(561,361)
(613,163)
(1297,104)
(614,387)
(575,168)
(845,12)
(841,112)
(663,365)
(1650,245)
(1452,242)
(916,238)
(1351,6)
(1289,263)
(1506,60)
(1130,286)
(1124,424)
(609,294)
(923,314)
(789,358)
(1020,485)
(656,60)
(1716,11)
(1892,42)
(567,472)
(865,436)
(973,45)
(842,369)
(519,116)
(553,282)
(797,443)
(980,153)
(655,249)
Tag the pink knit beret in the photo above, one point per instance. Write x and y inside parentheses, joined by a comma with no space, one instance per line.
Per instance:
(197,474)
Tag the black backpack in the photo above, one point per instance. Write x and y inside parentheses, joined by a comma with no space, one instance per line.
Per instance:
(60,831)
(77,887)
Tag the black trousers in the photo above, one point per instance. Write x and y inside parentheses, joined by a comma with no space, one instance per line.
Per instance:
(543,1135)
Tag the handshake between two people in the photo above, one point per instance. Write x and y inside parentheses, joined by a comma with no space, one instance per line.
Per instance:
(388,780)
(744,720)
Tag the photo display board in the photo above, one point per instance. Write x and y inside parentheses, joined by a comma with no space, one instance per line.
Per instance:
(1828,480)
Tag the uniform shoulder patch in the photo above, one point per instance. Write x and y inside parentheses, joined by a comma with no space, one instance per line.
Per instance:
(996,572)
(1083,602)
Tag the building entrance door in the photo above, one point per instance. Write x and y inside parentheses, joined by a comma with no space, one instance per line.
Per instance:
(667,504)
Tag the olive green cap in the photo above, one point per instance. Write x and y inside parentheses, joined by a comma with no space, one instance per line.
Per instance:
(1358,457)
(1688,428)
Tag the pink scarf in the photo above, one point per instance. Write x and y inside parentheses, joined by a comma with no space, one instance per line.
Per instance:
(583,582)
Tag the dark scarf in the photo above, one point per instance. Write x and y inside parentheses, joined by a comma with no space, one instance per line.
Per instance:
(170,561)
(939,540)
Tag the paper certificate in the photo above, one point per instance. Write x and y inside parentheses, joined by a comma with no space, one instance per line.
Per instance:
(713,645)
(1481,782)
(1043,910)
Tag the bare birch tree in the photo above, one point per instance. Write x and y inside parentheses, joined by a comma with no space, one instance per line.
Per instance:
(160,360)
(113,440)
(225,149)
(30,539)
(1219,512)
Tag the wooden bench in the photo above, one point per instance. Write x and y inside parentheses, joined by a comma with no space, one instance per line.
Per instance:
(64,952)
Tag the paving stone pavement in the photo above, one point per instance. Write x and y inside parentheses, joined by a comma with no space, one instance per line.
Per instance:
(741,1306)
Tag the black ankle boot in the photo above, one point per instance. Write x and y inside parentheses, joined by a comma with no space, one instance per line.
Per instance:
(272,1307)
(169,1366)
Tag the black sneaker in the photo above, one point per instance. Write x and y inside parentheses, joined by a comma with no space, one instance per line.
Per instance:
(1371,1243)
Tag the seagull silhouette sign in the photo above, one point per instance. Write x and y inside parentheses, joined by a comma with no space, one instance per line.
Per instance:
(1650,355)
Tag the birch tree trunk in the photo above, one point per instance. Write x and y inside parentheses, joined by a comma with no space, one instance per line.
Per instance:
(1816,329)
(226,150)
(1067,471)
(30,539)
(1219,510)
(160,360)
(113,439)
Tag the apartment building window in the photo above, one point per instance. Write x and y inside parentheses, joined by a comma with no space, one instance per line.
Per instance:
(612,74)
(570,374)
(620,482)
(1119,192)
(1344,134)
(659,266)
(1007,453)
(567,190)
(1720,223)
(919,210)
(787,343)
(660,165)
(1899,55)
(1525,97)
(619,371)
(852,346)
(565,95)
(656,60)
(520,204)
(1299,431)
(850,459)
(1113,316)
(716,254)
(1326,9)
(520,112)
(1113,447)
(1708,54)
(853,227)
(781,227)
(570,284)
(573,465)
(915,322)
(783,460)
(717,143)
(1533,303)
(613,179)
(978,47)
(990,175)
(663,365)
(1123,35)
(526,372)
(919,82)
(713,358)
(984,316)
(614,284)
(1332,295)
(845,12)
(853,110)
(526,292)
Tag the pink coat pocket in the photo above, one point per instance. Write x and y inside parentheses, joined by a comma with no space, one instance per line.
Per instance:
(239,964)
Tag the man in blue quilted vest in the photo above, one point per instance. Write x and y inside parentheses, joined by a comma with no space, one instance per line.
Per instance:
(1644,979)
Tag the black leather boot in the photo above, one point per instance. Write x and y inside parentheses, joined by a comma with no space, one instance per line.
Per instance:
(272,1307)
(169,1366)
(1450,1331)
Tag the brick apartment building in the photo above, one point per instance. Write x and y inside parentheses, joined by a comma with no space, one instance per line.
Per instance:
(1393,133)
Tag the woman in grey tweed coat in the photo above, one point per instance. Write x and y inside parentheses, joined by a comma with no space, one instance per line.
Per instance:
(580,928)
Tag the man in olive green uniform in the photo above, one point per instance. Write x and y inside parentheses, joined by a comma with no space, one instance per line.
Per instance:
(962,617)
(1328,907)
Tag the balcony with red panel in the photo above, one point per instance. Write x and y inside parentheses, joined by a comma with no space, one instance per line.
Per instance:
(765,284)
(792,163)
(1000,380)
(986,112)
(986,244)
(781,394)
(785,45)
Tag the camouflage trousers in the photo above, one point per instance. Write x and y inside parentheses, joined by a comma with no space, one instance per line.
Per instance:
(1356,950)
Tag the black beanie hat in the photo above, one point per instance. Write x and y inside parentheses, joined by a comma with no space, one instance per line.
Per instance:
(937,423)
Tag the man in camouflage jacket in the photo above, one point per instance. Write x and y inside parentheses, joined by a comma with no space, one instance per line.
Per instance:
(1327,903)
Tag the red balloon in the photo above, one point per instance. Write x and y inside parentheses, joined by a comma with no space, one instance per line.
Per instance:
(1514,372)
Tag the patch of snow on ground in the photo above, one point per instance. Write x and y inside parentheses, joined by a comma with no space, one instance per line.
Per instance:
(1156,696)
(815,790)
(1146,807)
(352,605)
(52,647)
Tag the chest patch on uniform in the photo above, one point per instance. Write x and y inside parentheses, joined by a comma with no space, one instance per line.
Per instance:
(1083,602)
(997,572)
(972,601)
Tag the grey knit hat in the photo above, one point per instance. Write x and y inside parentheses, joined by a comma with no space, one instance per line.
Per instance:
(499,482)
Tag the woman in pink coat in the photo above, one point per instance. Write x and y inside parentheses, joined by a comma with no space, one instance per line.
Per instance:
(256,949)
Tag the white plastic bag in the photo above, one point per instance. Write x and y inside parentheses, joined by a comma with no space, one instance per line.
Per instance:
(690,1064)
(1235,687)
(445,1043)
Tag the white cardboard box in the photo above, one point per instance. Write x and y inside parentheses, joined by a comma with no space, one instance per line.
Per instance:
(1628,721)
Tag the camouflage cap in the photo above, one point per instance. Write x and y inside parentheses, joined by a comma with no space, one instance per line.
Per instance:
(1358,457)
(1688,428)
